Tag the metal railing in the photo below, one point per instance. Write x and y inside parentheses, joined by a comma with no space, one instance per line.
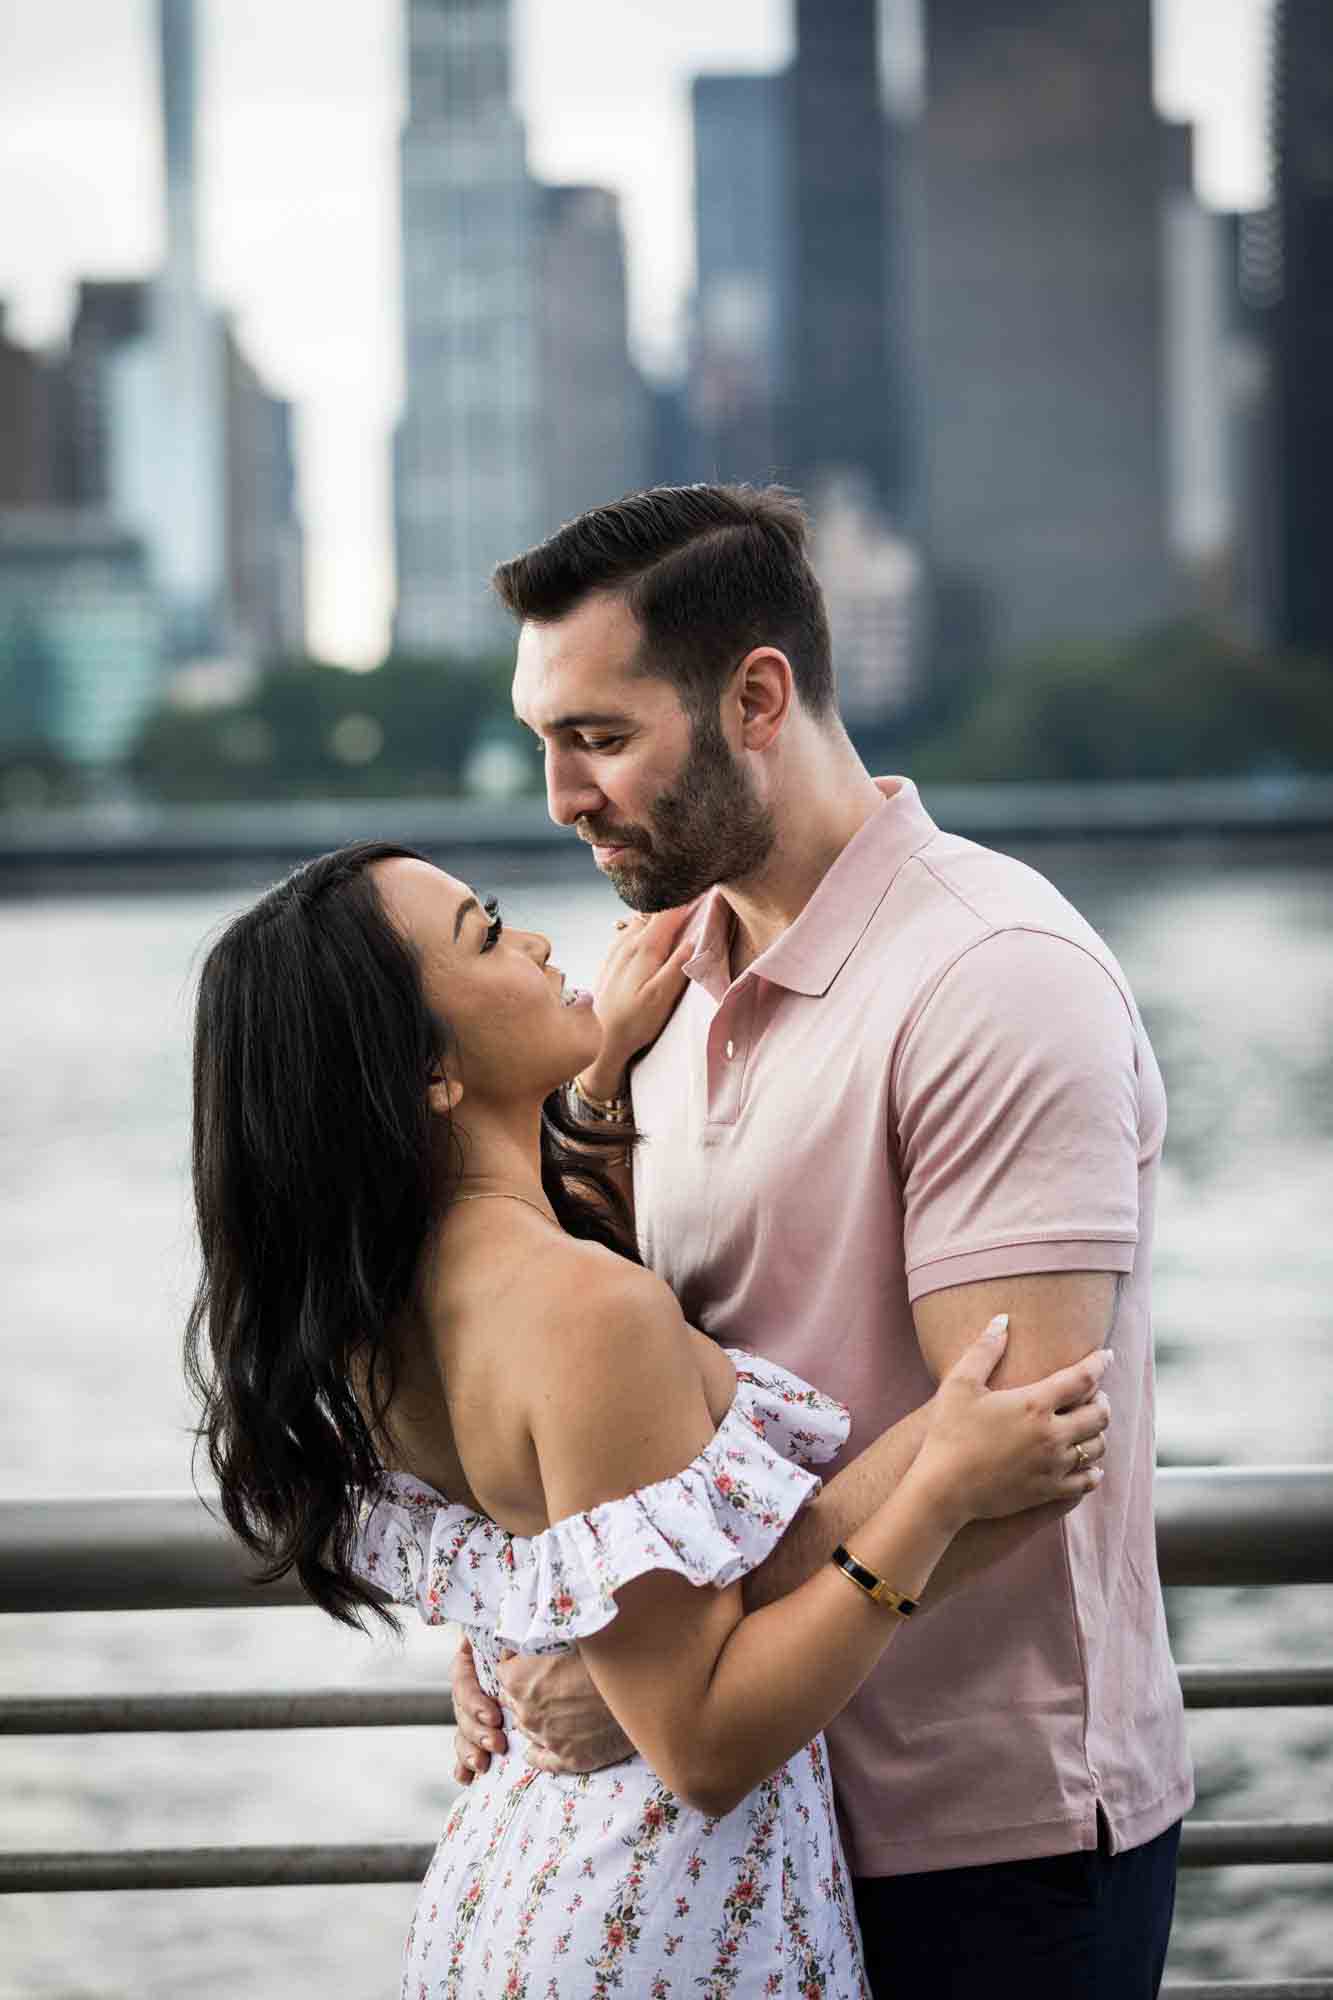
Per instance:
(166,1551)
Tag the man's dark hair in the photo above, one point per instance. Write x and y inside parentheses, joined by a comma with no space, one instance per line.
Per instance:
(709,572)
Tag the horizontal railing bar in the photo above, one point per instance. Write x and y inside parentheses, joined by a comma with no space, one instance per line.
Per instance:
(1219,1843)
(1257,1687)
(313,1708)
(166,1551)
(1249,1989)
(1204,1844)
(1243,1524)
(421,1708)
(215,1867)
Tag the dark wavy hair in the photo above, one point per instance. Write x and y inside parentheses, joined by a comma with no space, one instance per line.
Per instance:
(316,1182)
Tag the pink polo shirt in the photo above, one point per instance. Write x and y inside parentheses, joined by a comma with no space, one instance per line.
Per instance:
(938,1075)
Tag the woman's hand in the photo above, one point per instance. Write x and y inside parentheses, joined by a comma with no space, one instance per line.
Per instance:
(992,1452)
(637,988)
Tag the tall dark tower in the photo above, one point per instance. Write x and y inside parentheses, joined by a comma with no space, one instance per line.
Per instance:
(1303,331)
(742,312)
(1043,322)
(847,313)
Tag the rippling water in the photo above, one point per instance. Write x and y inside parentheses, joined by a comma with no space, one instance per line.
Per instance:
(1230,951)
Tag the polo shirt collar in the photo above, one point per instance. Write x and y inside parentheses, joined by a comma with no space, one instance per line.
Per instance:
(811,952)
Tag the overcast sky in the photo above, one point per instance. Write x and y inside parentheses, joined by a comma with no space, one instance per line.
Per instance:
(302,104)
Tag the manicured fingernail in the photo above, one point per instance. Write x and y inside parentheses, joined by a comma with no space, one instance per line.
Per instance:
(1110,1355)
(999,1325)
(1097,1475)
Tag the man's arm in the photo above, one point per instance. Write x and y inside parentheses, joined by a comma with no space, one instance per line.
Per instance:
(1054,1318)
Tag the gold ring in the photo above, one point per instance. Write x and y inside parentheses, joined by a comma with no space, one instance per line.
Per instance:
(622,923)
(1083,1460)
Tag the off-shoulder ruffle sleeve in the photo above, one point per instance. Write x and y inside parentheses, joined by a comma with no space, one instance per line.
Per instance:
(711,1523)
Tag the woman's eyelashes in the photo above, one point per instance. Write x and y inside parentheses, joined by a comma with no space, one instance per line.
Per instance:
(496,925)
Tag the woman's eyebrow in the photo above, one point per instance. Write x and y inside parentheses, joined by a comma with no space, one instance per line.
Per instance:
(468,904)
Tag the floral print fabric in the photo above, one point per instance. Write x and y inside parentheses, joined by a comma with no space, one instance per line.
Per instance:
(552,1888)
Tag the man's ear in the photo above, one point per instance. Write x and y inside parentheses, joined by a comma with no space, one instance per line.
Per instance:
(764,689)
(446,1093)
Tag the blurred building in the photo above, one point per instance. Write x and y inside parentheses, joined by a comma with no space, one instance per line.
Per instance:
(1253,252)
(264,545)
(1196,314)
(152,486)
(34,400)
(1303,321)
(81,658)
(467,484)
(739,359)
(850,405)
(672,453)
(871,579)
(593,416)
(1043,171)
(109,314)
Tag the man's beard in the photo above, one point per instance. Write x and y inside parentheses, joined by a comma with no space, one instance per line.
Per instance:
(707,827)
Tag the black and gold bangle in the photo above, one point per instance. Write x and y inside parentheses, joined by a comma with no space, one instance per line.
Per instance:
(611,1110)
(873,1585)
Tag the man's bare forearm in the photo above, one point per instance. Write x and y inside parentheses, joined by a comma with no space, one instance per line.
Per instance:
(852,1496)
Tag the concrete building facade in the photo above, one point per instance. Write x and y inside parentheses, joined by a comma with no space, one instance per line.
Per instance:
(467,484)
(740,360)
(849,402)
(592,423)
(1042,319)
(1303,322)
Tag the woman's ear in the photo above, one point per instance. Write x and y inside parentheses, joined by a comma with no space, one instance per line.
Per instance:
(446,1093)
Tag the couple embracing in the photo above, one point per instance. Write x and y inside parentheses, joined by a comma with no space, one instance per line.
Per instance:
(538,1310)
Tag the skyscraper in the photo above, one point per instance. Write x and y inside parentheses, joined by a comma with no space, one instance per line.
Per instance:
(1042,337)
(849,409)
(467,482)
(593,411)
(739,358)
(34,405)
(173,388)
(1303,321)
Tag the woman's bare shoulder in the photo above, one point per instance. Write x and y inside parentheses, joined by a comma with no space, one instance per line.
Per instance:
(589,1295)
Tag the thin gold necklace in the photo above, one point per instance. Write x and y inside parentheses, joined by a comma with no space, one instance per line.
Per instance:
(503,1195)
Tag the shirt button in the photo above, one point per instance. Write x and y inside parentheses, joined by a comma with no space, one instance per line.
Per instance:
(731,1050)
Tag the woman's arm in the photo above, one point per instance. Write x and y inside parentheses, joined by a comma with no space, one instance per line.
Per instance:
(716,1699)
(1055,1318)
(637,989)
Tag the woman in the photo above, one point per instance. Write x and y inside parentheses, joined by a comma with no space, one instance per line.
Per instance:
(433,1367)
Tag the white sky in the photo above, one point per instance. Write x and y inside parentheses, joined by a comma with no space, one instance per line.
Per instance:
(302,105)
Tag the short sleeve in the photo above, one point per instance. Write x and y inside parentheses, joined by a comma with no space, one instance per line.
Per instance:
(711,1523)
(1017,1102)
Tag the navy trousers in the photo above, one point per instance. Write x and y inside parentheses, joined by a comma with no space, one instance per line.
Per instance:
(1088,1926)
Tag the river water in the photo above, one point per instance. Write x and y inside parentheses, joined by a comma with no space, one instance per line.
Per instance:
(1230,950)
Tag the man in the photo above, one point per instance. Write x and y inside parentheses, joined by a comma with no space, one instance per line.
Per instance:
(906,1087)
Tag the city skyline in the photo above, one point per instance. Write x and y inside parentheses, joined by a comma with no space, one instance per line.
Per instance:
(300,148)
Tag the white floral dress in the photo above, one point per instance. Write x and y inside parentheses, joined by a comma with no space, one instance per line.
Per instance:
(557,1888)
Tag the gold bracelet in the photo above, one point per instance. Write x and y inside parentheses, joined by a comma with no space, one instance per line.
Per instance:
(873,1585)
(613,1110)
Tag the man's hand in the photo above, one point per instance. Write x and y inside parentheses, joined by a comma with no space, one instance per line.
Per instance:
(553,1701)
(476,1717)
(568,1725)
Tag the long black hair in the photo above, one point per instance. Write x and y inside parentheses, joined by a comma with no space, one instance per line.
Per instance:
(316,1181)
